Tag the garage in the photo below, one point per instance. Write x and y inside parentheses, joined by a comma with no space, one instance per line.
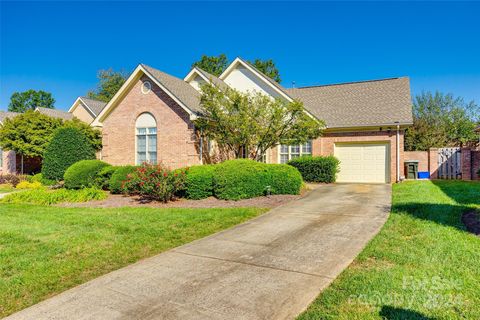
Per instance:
(363,162)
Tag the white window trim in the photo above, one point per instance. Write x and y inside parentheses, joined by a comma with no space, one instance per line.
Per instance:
(301,153)
(147,155)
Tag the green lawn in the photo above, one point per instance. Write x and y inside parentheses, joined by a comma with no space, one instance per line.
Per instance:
(422,264)
(4,189)
(45,250)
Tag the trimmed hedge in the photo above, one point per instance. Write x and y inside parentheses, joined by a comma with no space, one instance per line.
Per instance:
(285,179)
(68,145)
(199,181)
(102,179)
(243,179)
(118,177)
(82,174)
(317,169)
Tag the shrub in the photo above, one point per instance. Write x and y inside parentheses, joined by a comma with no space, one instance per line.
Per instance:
(317,169)
(68,145)
(284,179)
(118,177)
(46,182)
(47,197)
(155,182)
(29,185)
(11,179)
(102,179)
(82,174)
(240,179)
(199,182)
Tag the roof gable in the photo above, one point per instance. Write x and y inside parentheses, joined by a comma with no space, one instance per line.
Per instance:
(181,92)
(205,76)
(54,113)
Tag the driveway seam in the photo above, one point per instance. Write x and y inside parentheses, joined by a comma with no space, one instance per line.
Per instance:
(253,265)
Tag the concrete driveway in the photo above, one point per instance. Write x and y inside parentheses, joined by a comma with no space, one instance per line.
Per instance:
(270,267)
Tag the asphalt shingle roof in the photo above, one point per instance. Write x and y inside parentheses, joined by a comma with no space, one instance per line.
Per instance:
(179,88)
(367,103)
(54,113)
(95,105)
(215,80)
(7,114)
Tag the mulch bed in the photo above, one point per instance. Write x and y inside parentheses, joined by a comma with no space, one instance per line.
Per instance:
(471,219)
(115,201)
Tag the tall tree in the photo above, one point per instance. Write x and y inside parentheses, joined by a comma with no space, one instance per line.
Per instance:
(268,68)
(253,121)
(110,82)
(29,100)
(441,120)
(212,64)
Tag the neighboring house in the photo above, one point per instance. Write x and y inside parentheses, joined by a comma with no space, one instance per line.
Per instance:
(150,119)
(54,113)
(7,158)
(86,109)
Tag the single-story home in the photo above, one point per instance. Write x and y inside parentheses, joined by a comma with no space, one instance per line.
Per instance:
(151,119)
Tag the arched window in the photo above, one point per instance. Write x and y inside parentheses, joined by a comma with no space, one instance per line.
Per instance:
(146,135)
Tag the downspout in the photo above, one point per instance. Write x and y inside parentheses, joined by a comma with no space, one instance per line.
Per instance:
(398,151)
(201,145)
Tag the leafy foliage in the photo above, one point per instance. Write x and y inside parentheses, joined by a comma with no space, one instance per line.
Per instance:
(441,120)
(29,185)
(110,82)
(44,196)
(119,177)
(199,182)
(28,133)
(29,100)
(243,179)
(268,68)
(317,169)
(94,136)
(82,174)
(102,178)
(212,64)
(253,121)
(40,178)
(11,179)
(155,181)
(68,146)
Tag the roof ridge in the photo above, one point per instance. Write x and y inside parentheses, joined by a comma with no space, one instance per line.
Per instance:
(345,83)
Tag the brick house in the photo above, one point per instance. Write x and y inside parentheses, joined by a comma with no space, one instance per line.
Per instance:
(150,119)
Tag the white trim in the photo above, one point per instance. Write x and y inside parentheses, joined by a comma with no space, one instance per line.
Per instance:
(76,103)
(134,76)
(194,71)
(279,148)
(146,87)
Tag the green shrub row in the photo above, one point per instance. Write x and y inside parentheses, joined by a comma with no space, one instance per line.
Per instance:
(317,169)
(82,174)
(241,179)
(44,196)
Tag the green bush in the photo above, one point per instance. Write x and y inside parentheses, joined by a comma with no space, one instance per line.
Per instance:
(102,179)
(317,169)
(82,174)
(39,178)
(47,197)
(68,145)
(240,179)
(199,182)
(284,179)
(119,177)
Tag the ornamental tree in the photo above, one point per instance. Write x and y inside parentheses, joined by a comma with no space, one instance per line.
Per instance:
(253,121)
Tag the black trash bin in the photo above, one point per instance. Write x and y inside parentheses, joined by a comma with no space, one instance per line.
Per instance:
(411,169)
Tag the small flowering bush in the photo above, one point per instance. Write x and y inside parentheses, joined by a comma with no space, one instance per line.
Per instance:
(155,181)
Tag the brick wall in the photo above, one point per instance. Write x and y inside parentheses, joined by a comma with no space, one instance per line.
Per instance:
(475,164)
(421,156)
(8,162)
(176,142)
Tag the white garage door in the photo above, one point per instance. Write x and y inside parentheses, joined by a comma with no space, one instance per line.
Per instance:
(363,162)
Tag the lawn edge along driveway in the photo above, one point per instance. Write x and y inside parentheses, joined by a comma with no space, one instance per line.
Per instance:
(270,267)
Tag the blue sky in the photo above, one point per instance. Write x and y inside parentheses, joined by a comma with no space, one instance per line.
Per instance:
(59,46)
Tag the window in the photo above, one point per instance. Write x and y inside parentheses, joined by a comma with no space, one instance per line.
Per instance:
(146,87)
(146,134)
(294,151)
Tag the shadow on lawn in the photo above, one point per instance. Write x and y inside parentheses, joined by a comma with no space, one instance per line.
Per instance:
(462,192)
(392,313)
